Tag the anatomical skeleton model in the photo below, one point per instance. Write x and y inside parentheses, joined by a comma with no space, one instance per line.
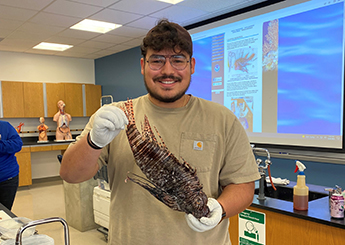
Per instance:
(62,118)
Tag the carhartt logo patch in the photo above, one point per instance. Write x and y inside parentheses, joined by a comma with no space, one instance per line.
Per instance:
(198,145)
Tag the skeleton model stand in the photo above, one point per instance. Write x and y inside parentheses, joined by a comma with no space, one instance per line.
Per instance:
(62,118)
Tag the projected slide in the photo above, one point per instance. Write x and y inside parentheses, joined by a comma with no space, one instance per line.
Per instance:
(281,73)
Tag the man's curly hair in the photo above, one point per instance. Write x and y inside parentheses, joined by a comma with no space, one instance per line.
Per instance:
(167,35)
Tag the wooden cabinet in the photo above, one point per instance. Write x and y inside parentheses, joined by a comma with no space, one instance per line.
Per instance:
(22,99)
(70,93)
(27,99)
(54,93)
(285,230)
(33,99)
(24,162)
(39,148)
(59,147)
(12,99)
(74,99)
(93,94)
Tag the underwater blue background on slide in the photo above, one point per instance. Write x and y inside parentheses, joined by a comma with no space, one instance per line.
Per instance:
(310,72)
(201,84)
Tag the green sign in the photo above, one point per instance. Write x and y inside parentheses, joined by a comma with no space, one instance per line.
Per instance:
(252,228)
(253,216)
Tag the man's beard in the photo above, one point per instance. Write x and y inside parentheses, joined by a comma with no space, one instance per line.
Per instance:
(166,99)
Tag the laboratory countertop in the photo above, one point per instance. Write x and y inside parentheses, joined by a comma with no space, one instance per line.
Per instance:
(318,210)
(32,141)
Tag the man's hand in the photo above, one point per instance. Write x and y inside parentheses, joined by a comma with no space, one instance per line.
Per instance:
(206,223)
(108,122)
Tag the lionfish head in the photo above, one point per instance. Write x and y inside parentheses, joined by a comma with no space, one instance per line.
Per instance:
(200,208)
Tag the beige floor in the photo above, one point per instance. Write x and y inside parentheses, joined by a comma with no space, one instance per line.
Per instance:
(45,200)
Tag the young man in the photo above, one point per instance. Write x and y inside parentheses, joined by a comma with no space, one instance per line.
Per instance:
(225,163)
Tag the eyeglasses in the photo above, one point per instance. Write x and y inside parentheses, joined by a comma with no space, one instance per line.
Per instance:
(156,62)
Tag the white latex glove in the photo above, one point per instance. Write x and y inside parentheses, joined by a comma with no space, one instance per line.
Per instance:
(205,224)
(108,122)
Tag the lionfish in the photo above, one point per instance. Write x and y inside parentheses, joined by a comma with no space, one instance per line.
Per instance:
(172,182)
(242,62)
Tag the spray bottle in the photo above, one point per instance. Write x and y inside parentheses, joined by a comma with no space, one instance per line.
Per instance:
(300,190)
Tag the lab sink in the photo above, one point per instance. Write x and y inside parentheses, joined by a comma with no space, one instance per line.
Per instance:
(286,193)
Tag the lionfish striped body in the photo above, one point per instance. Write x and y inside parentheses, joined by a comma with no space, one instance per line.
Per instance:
(172,182)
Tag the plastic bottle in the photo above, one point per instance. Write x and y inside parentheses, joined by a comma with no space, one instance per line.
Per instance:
(300,190)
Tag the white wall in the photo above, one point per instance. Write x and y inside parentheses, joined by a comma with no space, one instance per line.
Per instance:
(45,68)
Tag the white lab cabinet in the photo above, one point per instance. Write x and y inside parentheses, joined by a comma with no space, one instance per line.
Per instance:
(101,202)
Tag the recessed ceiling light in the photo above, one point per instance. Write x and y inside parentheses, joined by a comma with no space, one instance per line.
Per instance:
(52,46)
(95,26)
(171,1)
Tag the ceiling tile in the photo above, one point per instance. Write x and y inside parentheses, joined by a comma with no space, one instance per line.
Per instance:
(76,53)
(144,23)
(10,24)
(22,43)
(114,48)
(38,28)
(215,8)
(127,31)
(101,3)
(115,16)
(78,34)
(95,44)
(5,32)
(134,42)
(179,14)
(23,35)
(16,13)
(92,56)
(12,48)
(72,9)
(210,6)
(41,51)
(71,55)
(65,40)
(84,50)
(143,7)
(119,47)
(55,19)
(103,52)
(111,39)
(25,23)
(27,4)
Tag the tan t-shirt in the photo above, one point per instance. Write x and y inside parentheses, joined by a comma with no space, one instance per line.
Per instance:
(223,157)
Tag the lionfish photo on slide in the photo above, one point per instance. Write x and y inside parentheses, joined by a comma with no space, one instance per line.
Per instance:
(172,182)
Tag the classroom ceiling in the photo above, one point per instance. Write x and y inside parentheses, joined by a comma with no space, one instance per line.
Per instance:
(26,23)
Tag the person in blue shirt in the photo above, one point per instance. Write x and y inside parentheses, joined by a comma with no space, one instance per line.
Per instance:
(10,143)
